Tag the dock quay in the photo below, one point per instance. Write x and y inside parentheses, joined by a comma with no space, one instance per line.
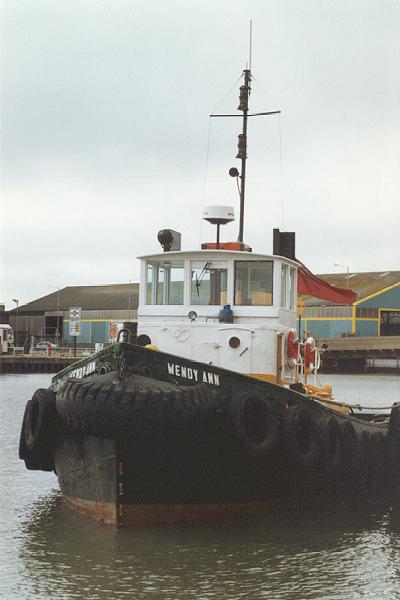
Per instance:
(343,355)
(24,363)
(362,354)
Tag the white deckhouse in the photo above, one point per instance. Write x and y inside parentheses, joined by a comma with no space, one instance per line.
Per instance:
(182,294)
(223,305)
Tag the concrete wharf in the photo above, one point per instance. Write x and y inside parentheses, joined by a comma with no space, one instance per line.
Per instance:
(360,354)
(344,355)
(25,363)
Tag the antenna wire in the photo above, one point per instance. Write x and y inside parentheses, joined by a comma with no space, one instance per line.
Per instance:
(203,201)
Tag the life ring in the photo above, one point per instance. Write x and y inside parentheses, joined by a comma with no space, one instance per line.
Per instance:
(302,440)
(37,432)
(135,407)
(292,348)
(254,423)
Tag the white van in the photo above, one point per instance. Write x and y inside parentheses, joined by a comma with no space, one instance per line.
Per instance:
(6,338)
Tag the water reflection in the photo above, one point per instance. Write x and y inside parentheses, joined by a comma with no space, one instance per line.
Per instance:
(289,556)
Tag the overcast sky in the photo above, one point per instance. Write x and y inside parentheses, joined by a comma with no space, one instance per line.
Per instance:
(105,130)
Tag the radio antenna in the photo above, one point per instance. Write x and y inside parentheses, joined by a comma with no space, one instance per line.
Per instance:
(244,95)
(251,42)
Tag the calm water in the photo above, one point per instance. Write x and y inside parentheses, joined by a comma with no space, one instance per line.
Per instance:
(48,551)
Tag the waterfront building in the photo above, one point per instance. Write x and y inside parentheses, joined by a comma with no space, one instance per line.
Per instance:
(102,307)
(376,311)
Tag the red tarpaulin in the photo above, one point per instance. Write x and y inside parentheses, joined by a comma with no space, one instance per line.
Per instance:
(310,285)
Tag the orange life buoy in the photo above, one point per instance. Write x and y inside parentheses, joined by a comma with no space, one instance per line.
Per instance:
(292,349)
(292,344)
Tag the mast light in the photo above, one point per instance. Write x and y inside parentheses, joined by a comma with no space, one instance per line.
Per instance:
(242,146)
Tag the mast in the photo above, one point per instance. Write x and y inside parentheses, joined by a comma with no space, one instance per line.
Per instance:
(244,95)
(242,144)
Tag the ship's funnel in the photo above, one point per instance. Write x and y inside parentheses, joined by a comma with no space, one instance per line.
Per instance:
(284,243)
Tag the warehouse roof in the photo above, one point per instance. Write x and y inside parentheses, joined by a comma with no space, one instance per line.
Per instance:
(88,297)
(364,284)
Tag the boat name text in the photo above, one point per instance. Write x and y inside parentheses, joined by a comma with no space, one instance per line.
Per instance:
(193,374)
(84,370)
(78,373)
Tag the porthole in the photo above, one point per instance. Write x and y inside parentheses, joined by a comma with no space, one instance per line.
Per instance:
(234,342)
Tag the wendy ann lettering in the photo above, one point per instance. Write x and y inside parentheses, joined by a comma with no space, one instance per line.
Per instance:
(193,374)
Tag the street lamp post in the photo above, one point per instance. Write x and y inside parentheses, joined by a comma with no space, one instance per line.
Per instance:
(16,342)
(129,300)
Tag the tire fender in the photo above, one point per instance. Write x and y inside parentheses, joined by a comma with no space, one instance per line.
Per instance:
(303,439)
(37,432)
(340,451)
(254,423)
(136,407)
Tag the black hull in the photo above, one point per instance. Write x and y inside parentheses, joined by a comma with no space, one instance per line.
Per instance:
(145,445)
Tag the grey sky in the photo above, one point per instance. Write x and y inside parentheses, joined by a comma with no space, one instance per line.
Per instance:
(104,116)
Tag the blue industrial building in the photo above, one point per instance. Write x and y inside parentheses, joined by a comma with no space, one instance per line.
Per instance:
(376,311)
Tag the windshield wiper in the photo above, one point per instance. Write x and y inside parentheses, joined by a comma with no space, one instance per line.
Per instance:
(200,278)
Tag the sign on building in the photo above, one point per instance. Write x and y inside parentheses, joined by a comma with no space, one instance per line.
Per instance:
(75,321)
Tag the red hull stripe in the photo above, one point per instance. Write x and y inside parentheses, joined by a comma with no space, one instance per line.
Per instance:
(169,514)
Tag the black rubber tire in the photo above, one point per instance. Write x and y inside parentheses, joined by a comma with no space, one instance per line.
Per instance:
(340,444)
(347,462)
(302,439)
(23,453)
(364,462)
(378,465)
(350,444)
(392,453)
(37,431)
(135,407)
(332,452)
(255,424)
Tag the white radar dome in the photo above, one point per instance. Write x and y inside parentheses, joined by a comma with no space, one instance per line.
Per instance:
(219,215)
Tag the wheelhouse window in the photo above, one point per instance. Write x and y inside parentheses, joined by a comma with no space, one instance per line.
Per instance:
(284,285)
(292,288)
(209,283)
(253,283)
(288,286)
(165,282)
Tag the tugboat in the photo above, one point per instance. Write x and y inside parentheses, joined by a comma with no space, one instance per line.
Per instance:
(214,411)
